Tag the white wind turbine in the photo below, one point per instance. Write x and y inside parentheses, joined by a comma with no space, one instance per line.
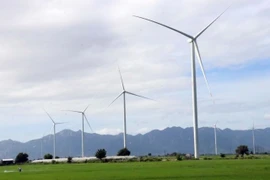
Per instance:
(83,116)
(124,92)
(194,48)
(215,133)
(253,139)
(54,138)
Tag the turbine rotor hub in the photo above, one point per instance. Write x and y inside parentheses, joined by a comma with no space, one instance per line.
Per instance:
(190,40)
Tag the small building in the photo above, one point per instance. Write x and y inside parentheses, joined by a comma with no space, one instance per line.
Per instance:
(7,161)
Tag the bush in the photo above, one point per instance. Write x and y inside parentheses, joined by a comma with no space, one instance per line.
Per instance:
(21,158)
(53,162)
(222,155)
(69,159)
(207,158)
(241,150)
(48,156)
(101,153)
(178,157)
(123,152)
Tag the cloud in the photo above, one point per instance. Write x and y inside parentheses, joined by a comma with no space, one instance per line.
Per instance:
(142,130)
(109,131)
(267,116)
(64,55)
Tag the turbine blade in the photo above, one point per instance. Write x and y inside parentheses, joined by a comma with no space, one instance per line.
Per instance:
(139,96)
(116,98)
(189,36)
(60,123)
(88,123)
(211,23)
(86,108)
(122,82)
(73,111)
(49,116)
(202,68)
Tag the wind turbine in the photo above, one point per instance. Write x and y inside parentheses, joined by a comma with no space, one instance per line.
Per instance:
(194,48)
(215,133)
(83,116)
(124,92)
(253,139)
(54,126)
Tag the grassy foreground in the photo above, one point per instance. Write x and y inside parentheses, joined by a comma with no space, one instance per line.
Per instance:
(258,169)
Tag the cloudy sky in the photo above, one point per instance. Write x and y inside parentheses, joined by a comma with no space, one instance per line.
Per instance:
(62,54)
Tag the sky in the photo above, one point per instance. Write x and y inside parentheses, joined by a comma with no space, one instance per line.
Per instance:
(63,55)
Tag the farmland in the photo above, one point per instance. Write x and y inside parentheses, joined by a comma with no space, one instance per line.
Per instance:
(189,169)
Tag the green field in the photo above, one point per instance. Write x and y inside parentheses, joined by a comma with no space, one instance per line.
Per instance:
(258,169)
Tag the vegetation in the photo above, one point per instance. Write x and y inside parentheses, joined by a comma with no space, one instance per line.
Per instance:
(21,158)
(101,153)
(48,156)
(178,157)
(241,150)
(222,155)
(188,170)
(69,159)
(123,152)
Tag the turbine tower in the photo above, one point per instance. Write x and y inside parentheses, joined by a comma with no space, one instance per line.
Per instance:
(83,116)
(194,49)
(124,92)
(253,139)
(215,133)
(54,138)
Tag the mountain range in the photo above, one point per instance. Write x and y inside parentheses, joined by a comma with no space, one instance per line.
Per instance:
(156,142)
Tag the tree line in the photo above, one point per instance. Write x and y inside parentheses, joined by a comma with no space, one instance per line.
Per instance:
(101,153)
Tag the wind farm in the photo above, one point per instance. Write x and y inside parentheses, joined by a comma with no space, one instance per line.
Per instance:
(155,108)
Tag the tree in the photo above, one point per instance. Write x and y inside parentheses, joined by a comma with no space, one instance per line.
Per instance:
(222,155)
(123,152)
(101,153)
(48,156)
(241,150)
(21,158)
(69,159)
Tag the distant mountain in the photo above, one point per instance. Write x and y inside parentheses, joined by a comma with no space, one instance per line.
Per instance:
(157,142)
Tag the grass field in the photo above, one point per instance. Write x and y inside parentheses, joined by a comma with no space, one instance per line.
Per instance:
(258,169)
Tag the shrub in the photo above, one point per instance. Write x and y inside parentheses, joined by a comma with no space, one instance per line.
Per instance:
(123,152)
(69,159)
(48,156)
(222,155)
(21,158)
(241,150)
(178,157)
(53,162)
(101,153)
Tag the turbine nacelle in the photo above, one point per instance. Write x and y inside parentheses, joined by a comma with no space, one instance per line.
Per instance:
(190,40)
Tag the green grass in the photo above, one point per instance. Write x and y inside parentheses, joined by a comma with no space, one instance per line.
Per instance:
(258,169)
